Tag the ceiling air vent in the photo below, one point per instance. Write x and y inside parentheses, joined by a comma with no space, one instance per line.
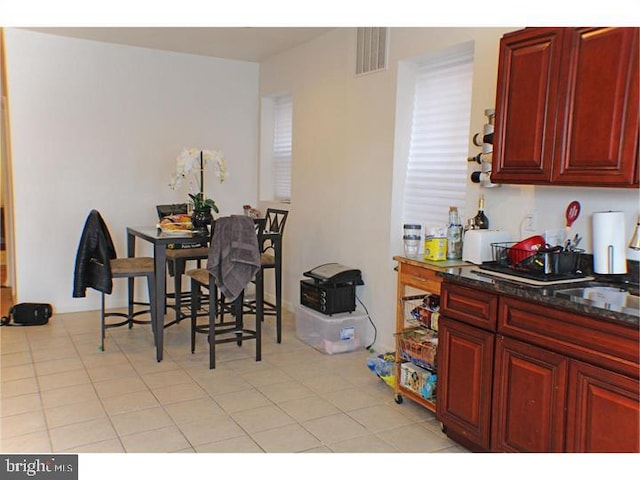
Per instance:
(371,54)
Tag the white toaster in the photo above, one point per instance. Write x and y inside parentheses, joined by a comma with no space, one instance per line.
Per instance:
(476,245)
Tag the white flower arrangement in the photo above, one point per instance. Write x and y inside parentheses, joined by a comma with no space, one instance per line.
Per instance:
(190,164)
(189,161)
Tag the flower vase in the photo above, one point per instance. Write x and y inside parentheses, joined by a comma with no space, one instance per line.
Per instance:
(201,218)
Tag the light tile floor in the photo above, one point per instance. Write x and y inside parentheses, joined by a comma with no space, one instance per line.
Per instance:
(59,393)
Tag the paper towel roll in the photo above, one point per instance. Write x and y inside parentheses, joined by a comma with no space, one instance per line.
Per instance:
(609,249)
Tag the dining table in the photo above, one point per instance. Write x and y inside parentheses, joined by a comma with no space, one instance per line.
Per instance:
(160,240)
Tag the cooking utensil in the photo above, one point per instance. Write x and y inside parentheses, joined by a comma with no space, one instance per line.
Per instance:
(571,245)
(576,241)
(571,215)
(525,248)
(550,249)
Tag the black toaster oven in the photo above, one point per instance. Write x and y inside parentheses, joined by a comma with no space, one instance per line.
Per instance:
(328,299)
(331,288)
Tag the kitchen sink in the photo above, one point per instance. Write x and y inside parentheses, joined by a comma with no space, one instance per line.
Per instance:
(620,298)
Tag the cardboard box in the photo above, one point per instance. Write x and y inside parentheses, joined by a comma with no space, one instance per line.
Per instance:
(419,380)
(338,333)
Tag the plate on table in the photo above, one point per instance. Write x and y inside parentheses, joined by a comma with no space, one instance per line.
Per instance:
(176,230)
(178,224)
(175,225)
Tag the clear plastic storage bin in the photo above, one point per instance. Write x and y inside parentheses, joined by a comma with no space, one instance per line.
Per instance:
(337,333)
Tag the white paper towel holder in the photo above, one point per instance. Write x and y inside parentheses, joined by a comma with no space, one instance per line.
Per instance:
(609,243)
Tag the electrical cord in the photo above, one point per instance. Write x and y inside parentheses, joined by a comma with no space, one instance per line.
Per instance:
(375,330)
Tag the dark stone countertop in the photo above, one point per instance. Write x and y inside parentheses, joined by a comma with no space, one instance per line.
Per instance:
(543,295)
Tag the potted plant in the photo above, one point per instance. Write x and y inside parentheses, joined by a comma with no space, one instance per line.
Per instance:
(201,203)
(202,207)
(188,163)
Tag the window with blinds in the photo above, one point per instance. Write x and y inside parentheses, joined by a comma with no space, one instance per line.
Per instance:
(282,142)
(437,167)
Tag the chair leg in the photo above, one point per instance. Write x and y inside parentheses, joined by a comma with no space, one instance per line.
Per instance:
(177,288)
(213,294)
(102,320)
(166,292)
(214,308)
(130,287)
(195,301)
(237,308)
(259,312)
(221,304)
(278,272)
(151,285)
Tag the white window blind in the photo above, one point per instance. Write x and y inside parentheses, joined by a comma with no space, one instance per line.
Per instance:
(282,141)
(437,164)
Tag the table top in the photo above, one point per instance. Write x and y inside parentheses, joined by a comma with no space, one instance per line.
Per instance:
(154,235)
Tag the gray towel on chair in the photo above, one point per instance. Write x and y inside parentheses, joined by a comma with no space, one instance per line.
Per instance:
(234,257)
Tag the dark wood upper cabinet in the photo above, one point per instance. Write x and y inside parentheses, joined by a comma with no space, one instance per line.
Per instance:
(597,130)
(526,103)
(567,107)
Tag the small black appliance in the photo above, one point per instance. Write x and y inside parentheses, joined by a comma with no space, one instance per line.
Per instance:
(331,288)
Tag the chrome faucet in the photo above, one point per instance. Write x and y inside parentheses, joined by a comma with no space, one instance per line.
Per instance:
(635,239)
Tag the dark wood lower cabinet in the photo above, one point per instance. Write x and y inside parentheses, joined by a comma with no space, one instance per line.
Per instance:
(529,399)
(603,412)
(536,379)
(465,359)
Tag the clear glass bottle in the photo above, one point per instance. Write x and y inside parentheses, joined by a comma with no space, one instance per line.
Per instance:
(481,220)
(454,235)
(471,225)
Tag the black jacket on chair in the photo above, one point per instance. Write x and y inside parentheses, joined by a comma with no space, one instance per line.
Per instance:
(95,251)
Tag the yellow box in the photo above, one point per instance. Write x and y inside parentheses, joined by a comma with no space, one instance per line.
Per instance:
(435,248)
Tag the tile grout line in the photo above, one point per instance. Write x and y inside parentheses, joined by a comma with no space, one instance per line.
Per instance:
(160,404)
(75,346)
(37,379)
(238,366)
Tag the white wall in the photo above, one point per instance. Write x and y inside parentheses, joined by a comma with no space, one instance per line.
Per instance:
(99,126)
(343,206)
(95,125)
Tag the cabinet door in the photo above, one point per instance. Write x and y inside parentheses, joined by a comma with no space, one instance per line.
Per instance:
(598,123)
(526,103)
(528,399)
(603,409)
(465,368)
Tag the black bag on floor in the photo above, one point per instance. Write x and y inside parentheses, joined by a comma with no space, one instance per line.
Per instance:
(28,314)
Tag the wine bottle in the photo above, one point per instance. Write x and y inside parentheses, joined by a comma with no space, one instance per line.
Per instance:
(482,157)
(481,138)
(481,221)
(488,138)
